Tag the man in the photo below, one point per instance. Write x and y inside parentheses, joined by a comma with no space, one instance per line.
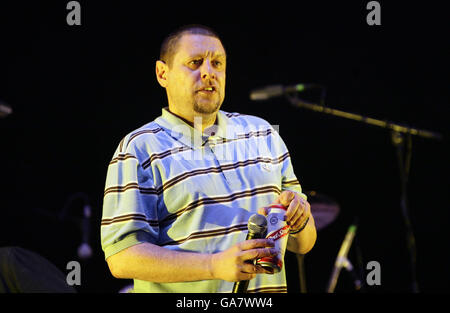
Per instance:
(179,190)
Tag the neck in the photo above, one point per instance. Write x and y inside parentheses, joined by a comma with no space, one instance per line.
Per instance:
(197,121)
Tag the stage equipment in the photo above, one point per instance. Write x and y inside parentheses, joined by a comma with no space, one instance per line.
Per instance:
(325,210)
(272,91)
(343,262)
(24,271)
(84,250)
(401,138)
(5,109)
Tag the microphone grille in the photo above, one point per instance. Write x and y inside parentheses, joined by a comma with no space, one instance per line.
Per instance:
(257,224)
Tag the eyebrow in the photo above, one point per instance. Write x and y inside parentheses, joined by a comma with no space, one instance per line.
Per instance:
(202,55)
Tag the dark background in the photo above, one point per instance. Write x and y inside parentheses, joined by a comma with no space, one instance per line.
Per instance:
(77,90)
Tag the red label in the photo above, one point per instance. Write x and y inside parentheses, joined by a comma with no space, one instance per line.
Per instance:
(271,260)
(278,206)
(279,233)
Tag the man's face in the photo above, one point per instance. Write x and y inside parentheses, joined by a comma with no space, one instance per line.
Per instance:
(196,77)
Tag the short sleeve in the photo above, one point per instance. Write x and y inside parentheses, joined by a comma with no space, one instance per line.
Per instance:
(289,179)
(129,204)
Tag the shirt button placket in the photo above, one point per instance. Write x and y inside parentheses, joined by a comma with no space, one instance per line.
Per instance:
(230,175)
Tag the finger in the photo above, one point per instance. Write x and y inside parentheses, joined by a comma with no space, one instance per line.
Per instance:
(303,207)
(255,244)
(294,210)
(299,223)
(303,218)
(257,253)
(286,197)
(296,218)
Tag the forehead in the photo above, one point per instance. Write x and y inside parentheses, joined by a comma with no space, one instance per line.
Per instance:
(192,45)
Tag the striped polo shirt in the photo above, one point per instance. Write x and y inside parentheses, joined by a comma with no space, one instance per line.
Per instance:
(176,187)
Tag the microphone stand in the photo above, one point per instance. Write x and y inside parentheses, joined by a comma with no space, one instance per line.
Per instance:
(397,128)
(84,250)
(398,133)
(301,272)
(342,261)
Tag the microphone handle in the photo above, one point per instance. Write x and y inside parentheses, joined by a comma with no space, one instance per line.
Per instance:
(241,286)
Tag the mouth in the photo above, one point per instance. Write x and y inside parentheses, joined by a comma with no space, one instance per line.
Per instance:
(207,90)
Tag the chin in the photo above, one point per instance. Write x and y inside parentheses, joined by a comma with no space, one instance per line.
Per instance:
(207,108)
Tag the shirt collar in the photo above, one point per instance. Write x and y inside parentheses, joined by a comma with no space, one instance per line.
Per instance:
(191,137)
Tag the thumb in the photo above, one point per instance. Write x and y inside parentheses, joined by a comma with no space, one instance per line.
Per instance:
(263,211)
(277,200)
(286,197)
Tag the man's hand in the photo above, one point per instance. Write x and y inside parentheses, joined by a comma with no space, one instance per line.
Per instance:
(298,209)
(298,215)
(236,263)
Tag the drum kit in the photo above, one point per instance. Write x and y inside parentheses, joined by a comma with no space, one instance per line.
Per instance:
(324,209)
(5,109)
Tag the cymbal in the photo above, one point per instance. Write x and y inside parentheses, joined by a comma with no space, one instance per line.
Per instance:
(324,209)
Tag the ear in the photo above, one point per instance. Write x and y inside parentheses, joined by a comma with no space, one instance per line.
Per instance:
(161,69)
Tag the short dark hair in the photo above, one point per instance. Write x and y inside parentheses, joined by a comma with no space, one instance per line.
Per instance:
(169,45)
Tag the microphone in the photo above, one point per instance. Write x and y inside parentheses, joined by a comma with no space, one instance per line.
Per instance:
(257,228)
(341,259)
(279,90)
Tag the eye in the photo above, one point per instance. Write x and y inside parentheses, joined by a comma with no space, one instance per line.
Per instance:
(217,63)
(196,62)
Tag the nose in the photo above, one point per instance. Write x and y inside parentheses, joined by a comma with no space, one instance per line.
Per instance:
(207,71)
